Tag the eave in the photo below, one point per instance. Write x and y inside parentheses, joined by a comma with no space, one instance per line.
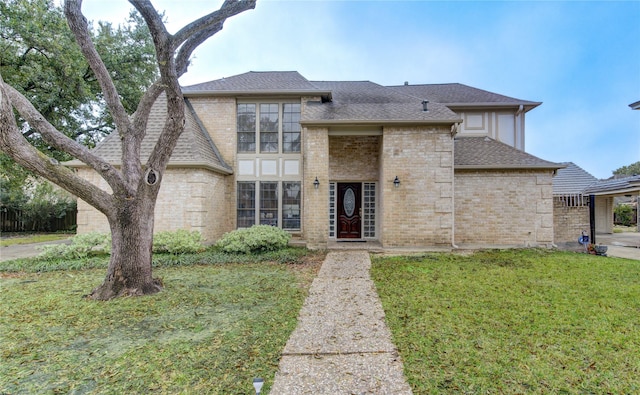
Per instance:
(389,122)
(243,93)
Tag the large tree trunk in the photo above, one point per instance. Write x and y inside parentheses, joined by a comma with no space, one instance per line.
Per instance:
(129,272)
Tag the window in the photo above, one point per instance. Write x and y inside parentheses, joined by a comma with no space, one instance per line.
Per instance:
(291,127)
(246,204)
(291,205)
(246,127)
(269,127)
(275,208)
(264,119)
(269,203)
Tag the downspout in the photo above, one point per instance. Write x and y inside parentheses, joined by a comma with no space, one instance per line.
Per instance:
(454,130)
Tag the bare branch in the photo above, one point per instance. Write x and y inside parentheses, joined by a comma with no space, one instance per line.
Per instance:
(182,59)
(13,143)
(228,9)
(78,25)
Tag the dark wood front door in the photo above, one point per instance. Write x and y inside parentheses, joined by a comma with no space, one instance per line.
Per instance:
(349,202)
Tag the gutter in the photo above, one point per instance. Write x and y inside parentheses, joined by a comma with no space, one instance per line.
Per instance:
(389,122)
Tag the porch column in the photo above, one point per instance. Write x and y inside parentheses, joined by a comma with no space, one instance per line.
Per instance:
(316,201)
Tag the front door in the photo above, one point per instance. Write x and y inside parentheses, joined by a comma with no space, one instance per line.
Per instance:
(349,201)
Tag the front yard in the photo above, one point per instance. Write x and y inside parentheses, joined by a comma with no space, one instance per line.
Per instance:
(529,321)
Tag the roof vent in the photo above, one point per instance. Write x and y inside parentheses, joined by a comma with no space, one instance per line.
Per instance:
(424,105)
(406,83)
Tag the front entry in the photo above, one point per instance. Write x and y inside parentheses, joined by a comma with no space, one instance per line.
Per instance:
(349,210)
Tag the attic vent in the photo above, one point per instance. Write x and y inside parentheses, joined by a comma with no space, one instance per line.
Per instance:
(424,105)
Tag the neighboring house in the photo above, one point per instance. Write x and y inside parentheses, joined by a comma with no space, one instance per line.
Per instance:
(573,189)
(397,166)
(570,203)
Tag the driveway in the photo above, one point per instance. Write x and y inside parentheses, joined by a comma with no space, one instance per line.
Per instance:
(621,245)
(25,250)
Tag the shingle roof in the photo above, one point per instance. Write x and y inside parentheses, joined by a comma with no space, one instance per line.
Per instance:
(194,147)
(364,101)
(572,180)
(615,185)
(486,153)
(271,82)
(460,95)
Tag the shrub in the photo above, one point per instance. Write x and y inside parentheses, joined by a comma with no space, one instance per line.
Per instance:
(623,215)
(81,247)
(257,238)
(178,242)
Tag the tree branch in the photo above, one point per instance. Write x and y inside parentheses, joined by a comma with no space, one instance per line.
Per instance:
(52,136)
(78,25)
(18,148)
(228,9)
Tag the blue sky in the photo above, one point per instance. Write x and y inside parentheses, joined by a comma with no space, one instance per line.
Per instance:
(581,59)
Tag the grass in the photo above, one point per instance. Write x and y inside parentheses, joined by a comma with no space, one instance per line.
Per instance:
(528,321)
(212,330)
(14,239)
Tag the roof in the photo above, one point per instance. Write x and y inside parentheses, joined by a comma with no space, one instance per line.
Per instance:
(487,153)
(368,102)
(193,149)
(572,180)
(614,186)
(257,82)
(460,95)
(635,106)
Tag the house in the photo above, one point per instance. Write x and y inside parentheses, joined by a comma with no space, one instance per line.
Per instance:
(584,203)
(334,161)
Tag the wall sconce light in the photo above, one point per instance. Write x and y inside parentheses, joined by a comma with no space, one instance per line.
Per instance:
(257,384)
(424,105)
(316,183)
(396,182)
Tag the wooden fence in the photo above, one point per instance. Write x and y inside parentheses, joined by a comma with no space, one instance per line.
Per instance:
(11,221)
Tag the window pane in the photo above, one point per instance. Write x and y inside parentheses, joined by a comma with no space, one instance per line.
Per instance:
(291,205)
(246,204)
(269,203)
(246,128)
(269,126)
(291,127)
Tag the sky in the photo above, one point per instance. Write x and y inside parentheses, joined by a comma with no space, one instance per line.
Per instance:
(581,59)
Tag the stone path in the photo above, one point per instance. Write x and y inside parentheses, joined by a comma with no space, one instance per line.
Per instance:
(341,344)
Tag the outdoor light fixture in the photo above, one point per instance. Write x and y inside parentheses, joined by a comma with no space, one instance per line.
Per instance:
(396,182)
(257,384)
(424,105)
(316,183)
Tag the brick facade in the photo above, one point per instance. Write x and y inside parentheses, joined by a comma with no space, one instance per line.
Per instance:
(420,211)
(503,207)
(315,147)
(191,199)
(569,221)
(354,158)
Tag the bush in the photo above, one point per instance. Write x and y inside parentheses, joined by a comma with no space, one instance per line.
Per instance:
(623,215)
(257,238)
(178,242)
(81,247)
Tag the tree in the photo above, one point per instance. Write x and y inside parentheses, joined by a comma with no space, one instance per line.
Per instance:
(39,57)
(631,170)
(130,207)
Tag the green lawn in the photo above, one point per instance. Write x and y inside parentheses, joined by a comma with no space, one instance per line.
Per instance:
(212,330)
(528,321)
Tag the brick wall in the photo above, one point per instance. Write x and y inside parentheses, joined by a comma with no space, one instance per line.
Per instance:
(420,211)
(354,158)
(509,207)
(569,221)
(191,199)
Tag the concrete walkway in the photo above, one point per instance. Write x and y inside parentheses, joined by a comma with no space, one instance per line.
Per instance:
(341,344)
